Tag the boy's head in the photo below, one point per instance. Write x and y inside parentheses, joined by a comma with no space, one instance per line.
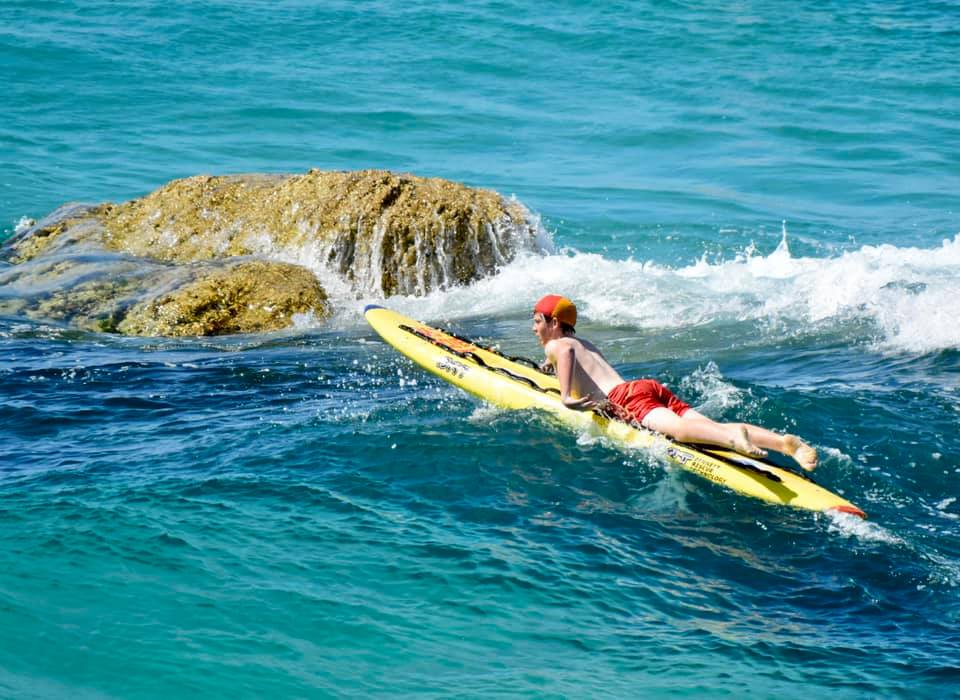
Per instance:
(558,307)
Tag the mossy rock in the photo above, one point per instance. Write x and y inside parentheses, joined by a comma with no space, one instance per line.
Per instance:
(246,297)
(385,233)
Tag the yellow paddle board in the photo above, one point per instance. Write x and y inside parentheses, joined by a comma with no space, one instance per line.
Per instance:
(519,384)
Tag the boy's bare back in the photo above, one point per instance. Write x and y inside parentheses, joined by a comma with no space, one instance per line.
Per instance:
(592,376)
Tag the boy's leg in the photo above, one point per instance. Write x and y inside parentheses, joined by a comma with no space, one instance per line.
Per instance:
(790,445)
(699,428)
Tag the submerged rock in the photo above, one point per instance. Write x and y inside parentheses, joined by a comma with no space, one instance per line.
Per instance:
(70,225)
(115,294)
(89,291)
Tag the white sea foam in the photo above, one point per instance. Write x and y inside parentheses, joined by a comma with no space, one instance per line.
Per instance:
(23,224)
(945,503)
(708,382)
(306,320)
(864,530)
(944,570)
(832,453)
(486,413)
(901,296)
(434,262)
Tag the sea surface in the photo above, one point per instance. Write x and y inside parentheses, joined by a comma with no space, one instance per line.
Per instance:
(756,202)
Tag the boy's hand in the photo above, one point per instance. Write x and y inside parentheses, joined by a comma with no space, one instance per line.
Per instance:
(584,403)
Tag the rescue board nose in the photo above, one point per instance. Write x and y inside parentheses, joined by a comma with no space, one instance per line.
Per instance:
(852,510)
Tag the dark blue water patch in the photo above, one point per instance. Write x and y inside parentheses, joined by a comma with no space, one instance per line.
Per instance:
(519,531)
(835,360)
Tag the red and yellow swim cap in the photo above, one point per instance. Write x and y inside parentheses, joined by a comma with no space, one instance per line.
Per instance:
(558,307)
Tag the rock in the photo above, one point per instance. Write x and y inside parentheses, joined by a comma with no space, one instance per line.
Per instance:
(87,291)
(70,224)
(111,293)
(246,297)
(384,233)
(167,263)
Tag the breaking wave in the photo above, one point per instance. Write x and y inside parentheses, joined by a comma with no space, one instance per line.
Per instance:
(895,299)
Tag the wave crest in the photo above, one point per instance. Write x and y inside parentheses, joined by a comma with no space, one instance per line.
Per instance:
(895,299)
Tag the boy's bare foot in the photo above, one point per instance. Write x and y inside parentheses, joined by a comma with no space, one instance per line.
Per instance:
(801,452)
(741,443)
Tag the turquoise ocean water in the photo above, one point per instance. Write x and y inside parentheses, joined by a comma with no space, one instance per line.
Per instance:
(755,201)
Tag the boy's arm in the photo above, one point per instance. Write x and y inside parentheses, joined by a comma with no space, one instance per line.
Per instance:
(548,365)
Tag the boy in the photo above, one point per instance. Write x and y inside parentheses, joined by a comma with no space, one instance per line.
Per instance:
(588,382)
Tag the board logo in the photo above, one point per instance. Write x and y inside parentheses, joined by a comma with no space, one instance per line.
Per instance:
(696,465)
(453,367)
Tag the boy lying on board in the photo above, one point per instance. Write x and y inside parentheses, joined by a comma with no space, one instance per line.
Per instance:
(588,382)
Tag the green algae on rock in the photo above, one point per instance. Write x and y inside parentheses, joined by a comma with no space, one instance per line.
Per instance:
(245,297)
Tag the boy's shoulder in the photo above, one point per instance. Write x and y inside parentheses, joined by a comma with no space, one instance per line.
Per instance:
(566,341)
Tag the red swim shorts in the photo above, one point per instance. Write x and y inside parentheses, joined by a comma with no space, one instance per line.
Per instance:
(634,400)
